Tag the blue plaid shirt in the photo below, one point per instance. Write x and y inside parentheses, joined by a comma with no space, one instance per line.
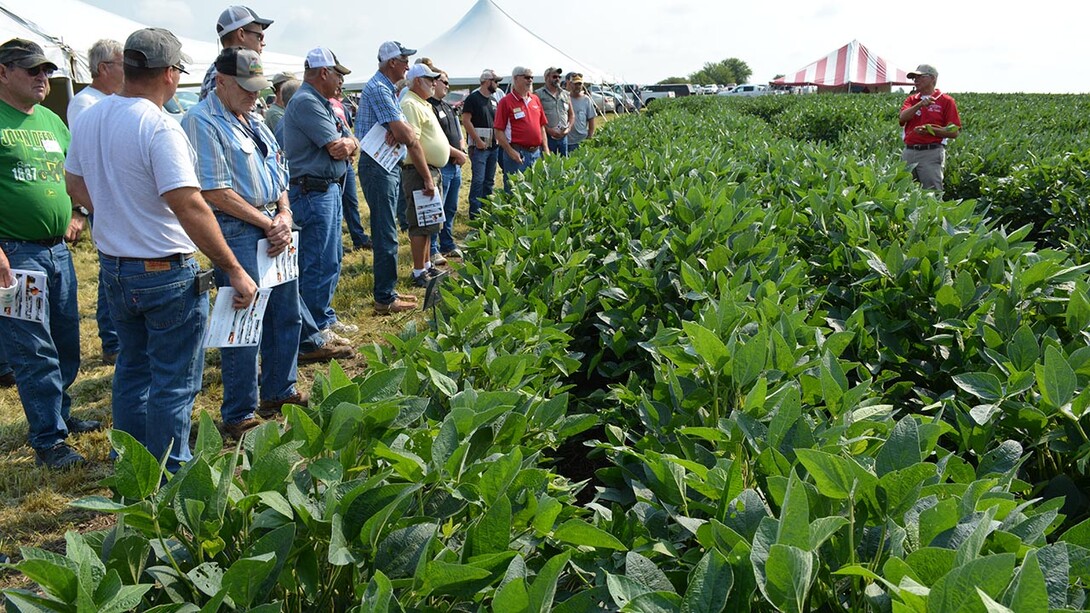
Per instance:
(378,104)
(229,156)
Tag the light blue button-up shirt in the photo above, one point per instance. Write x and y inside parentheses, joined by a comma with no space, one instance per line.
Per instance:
(378,104)
(229,156)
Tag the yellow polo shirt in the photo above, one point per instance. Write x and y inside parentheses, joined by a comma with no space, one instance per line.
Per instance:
(422,118)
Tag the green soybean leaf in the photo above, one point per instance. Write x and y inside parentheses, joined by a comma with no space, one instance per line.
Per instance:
(991,606)
(209,440)
(543,589)
(983,385)
(794,522)
(400,553)
(136,471)
(643,570)
(709,585)
(453,579)
(654,602)
(624,589)
(243,580)
(991,574)
(492,533)
(836,477)
(1029,590)
(55,574)
(382,385)
(495,481)
(442,382)
(789,573)
(749,360)
(1055,379)
(1023,350)
(378,595)
(512,596)
(577,532)
(707,345)
(901,449)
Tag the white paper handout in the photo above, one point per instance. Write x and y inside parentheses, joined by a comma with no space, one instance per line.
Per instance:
(485,134)
(228,327)
(31,301)
(374,144)
(429,210)
(281,269)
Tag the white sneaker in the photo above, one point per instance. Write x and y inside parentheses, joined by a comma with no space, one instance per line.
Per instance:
(332,338)
(342,328)
(438,259)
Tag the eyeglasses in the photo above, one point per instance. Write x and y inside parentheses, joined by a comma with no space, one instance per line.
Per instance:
(37,70)
(526,76)
(180,68)
(403,60)
(258,33)
(444,82)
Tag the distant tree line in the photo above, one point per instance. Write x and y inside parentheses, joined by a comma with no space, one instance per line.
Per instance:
(730,70)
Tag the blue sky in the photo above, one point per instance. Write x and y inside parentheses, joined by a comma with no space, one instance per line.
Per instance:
(1000,46)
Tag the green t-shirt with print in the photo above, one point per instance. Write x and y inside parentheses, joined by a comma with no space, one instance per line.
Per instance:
(33,202)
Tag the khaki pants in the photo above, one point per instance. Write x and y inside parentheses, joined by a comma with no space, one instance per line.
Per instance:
(926,166)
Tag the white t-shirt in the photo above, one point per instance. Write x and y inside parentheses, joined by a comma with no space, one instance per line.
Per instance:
(130,153)
(82,101)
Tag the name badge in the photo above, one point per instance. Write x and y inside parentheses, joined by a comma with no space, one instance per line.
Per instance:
(246,145)
(51,146)
(519,113)
(442,114)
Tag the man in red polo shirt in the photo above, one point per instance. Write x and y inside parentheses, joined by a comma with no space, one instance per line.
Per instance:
(520,125)
(929,118)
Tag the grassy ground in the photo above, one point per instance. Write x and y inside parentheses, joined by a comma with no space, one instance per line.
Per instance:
(33,501)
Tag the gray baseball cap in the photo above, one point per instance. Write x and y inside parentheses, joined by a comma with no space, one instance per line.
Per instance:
(245,66)
(24,54)
(154,48)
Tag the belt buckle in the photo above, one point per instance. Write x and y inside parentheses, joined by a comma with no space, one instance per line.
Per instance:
(156,266)
(271,208)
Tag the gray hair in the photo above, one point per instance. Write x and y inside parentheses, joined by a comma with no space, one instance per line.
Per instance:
(103,51)
(288,89)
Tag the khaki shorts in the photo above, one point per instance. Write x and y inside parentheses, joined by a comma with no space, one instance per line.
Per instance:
(410,182)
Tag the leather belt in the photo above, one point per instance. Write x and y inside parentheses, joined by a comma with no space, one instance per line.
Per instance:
(177,257)
(924,147)
(526,149)
(44,242)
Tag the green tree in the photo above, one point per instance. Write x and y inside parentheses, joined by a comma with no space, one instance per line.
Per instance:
(673,80)
(730,70)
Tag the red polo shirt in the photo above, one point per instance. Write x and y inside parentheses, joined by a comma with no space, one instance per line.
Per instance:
(521,120)
(942,112)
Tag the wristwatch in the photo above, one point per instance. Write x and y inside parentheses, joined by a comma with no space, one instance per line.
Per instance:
(82,210)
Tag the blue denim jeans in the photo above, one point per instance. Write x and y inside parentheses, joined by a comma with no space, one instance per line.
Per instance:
(45,357)
(572,147)
(452,184)
(106,333)
(483,166)
(160,321)
(318,215)
(558,146)
(382,189)
(511,168)
(350,202)
(279,334)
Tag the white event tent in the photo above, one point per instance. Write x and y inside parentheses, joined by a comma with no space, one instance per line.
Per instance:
(66,29)
(487,37)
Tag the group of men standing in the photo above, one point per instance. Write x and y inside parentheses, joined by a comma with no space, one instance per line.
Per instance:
(221,181)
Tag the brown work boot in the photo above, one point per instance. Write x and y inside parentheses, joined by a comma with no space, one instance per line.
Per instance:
(327,352)
(237,429)
(399,305)
(271,409)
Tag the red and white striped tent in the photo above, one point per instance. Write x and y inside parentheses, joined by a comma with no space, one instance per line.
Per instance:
(849,68)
